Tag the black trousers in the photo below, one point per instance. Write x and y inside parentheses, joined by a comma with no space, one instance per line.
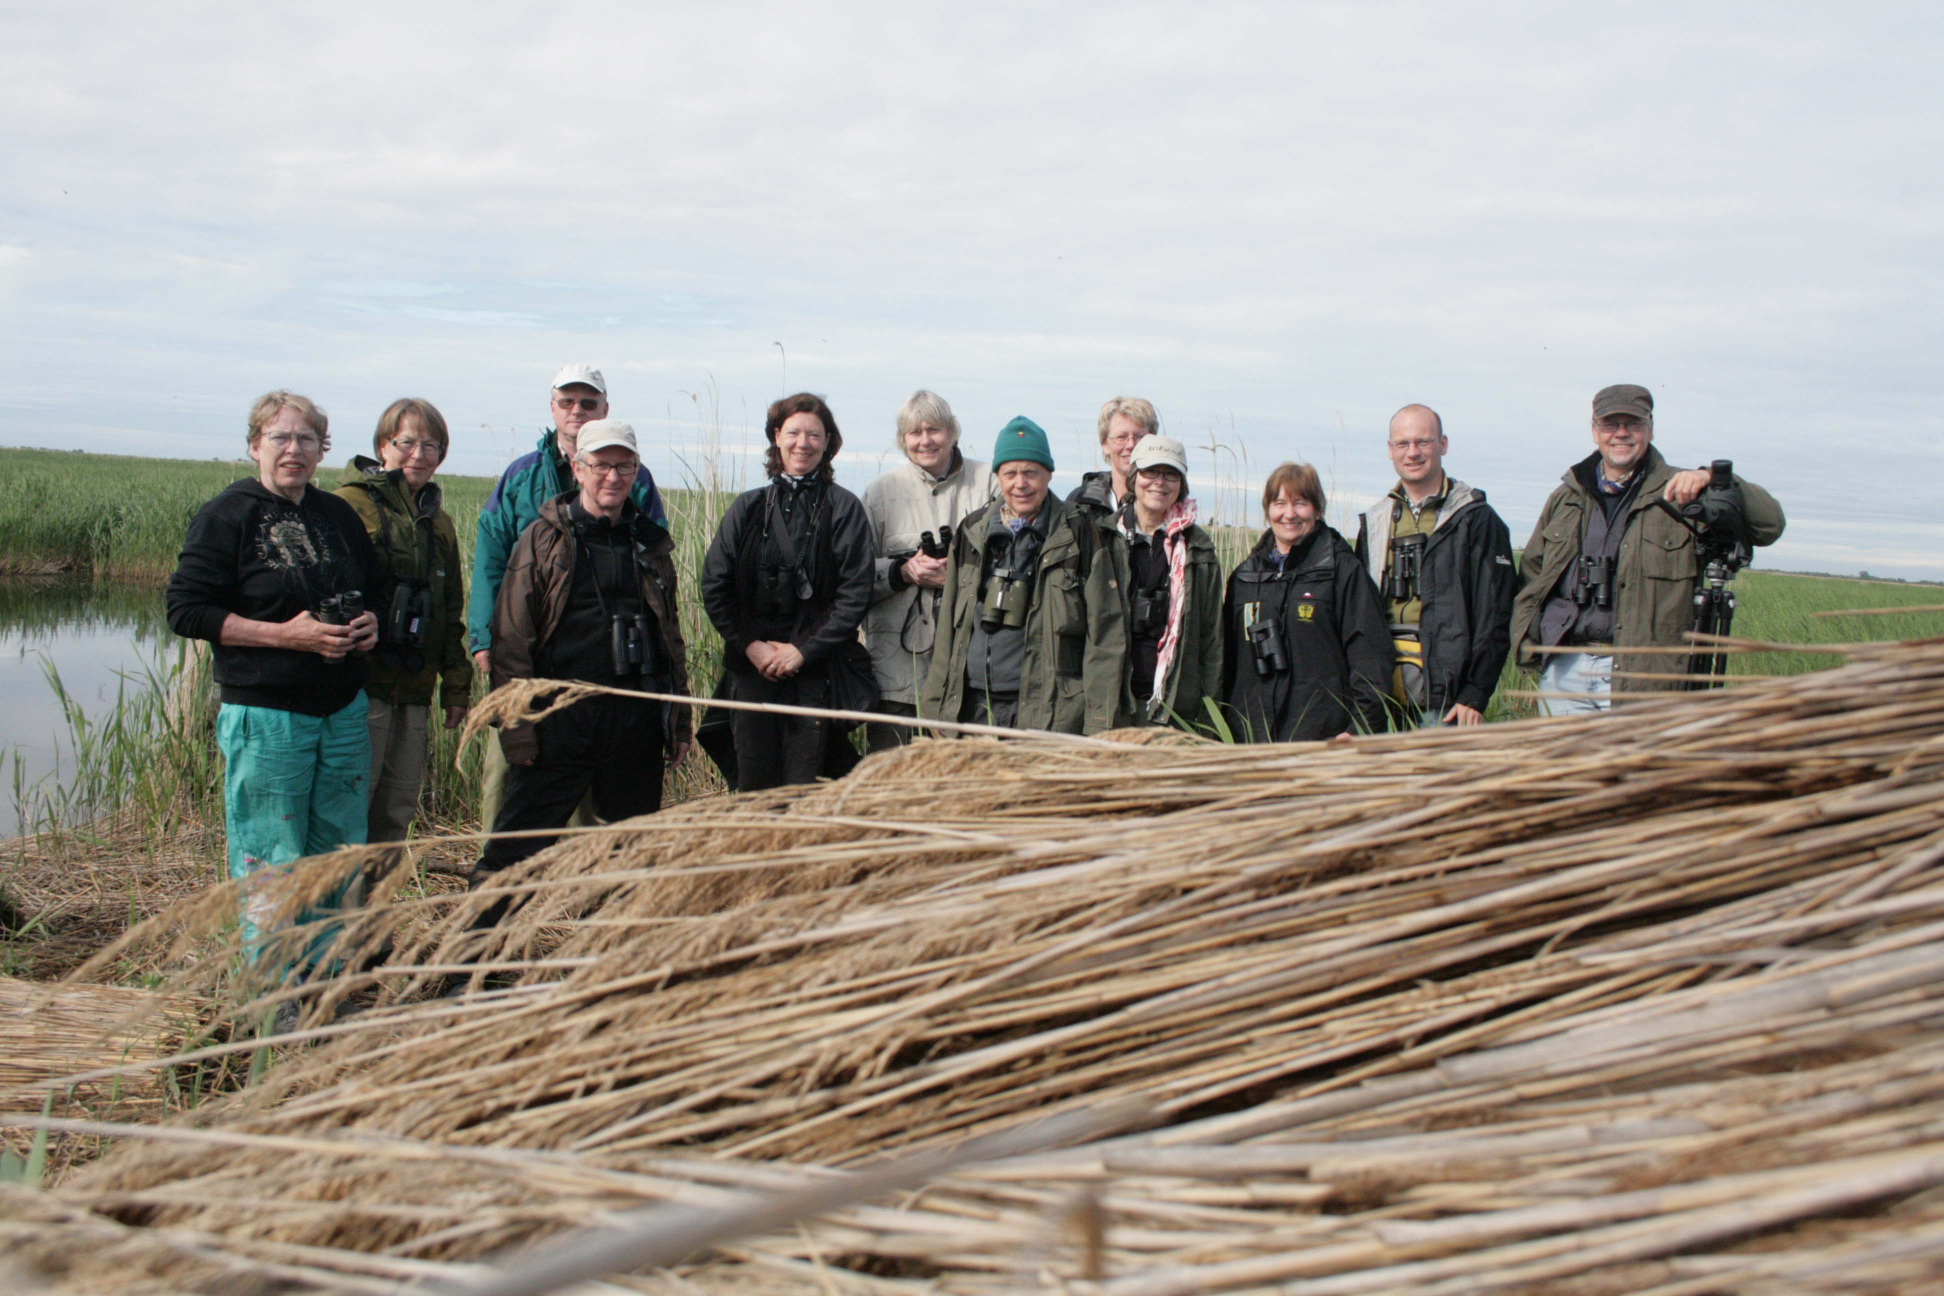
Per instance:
(883,737)
(772,750)
(997,709)
(608,745)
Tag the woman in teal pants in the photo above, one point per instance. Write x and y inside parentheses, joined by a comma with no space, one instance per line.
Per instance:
(274,573)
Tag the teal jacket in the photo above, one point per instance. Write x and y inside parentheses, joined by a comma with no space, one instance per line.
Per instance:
(528,482)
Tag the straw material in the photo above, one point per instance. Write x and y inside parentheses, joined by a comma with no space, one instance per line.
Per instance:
(1646,1002)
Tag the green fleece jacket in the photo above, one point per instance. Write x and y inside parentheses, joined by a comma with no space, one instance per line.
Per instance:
(416,541)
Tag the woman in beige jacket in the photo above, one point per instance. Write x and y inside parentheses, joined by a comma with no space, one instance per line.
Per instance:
(932,490)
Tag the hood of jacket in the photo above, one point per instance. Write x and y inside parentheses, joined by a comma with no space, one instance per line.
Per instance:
(387,485)
(1377,522)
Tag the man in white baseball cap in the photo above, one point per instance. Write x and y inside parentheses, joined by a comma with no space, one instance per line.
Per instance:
(579,397)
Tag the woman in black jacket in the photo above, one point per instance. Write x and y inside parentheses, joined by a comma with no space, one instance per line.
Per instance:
(786,583)
(1308,652)
(274,573)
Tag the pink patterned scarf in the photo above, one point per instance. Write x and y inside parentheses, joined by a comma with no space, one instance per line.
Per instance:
(1180,517)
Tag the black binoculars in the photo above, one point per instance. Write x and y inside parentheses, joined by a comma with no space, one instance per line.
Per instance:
(1150,610)
(939,547)
(405,619)
(1266,644)
(1406,562)
(779,590)
(629,647)
(340,609)
(1004,605)
(1594,588)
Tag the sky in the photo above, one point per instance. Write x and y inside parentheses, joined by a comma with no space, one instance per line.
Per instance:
(1278,222)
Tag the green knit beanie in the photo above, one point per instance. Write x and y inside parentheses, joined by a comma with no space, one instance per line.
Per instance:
(1022,439)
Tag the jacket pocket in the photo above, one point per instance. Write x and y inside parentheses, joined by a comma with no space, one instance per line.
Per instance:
(1667,556)
(1066,609)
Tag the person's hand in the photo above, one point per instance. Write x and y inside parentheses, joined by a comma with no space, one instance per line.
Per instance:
(483,662)
(784,662)
(364,632)
(306,633)
(922,569)
(1343,738)
(677,756)
(759,654)
(1460,714)
(1684,487)
(455,716)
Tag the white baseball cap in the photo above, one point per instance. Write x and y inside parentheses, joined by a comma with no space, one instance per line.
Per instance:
(1155,451)
(603,434)
(586,375)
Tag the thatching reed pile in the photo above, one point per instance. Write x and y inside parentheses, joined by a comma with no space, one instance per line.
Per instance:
(1640,1003)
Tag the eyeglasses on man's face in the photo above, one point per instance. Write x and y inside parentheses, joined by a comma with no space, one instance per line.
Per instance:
(1424,446)
(587,404)
(305,441)
(602,472)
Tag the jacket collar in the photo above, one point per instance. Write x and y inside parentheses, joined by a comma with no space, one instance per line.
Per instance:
(373,476)
(1654,473)
(563,511)
(957,467)
(255,486)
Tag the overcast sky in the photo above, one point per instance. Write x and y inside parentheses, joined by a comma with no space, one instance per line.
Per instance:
(1279,222)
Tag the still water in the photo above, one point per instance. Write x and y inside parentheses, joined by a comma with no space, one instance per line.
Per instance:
(101,638)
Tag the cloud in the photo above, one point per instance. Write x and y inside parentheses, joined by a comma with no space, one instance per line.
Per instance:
(1281,223)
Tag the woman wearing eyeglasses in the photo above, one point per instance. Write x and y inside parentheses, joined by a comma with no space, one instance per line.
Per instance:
(420,605)
(275,574)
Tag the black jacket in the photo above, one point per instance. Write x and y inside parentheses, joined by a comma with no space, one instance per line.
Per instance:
(841,561)
(1467,584)
(1333,633)
(252,553)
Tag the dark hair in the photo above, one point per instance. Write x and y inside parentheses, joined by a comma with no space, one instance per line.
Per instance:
(423,410)
(1299,481)
(801,403)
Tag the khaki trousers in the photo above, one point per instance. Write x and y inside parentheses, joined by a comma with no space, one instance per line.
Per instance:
(399,741)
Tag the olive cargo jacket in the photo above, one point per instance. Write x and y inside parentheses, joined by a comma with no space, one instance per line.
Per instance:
(533,596)
(1653,598)
(415,541)
(1074,677)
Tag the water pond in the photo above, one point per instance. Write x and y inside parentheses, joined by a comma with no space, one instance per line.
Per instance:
(67,646)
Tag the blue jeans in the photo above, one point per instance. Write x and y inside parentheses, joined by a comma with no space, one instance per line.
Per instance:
(1587,677)
(293,785)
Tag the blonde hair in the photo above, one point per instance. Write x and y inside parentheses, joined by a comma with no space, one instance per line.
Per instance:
(1298,481)
(424,411)
(922,407)
(270,404)
(1136,409)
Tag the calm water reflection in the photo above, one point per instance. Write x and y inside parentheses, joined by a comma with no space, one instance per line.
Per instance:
(94,636)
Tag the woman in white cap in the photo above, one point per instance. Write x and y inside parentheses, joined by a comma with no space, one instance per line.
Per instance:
(1174,594)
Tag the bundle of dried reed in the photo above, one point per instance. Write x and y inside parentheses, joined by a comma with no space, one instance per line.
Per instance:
(1450,1012)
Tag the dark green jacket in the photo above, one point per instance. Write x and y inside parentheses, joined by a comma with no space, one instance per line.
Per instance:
(1653,602)
(1195,673)
(1074,677)
(416,541)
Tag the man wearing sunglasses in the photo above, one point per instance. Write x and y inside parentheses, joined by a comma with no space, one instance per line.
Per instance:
(579,397)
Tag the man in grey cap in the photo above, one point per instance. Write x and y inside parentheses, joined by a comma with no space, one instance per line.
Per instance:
(1608,569)
(579,397)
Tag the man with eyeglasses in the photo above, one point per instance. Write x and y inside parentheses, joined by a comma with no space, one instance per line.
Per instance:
(1123,421)
(1442,560)
(1608,568)
(579,397)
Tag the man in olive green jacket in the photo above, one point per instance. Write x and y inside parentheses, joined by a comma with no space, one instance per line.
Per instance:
(1638,589)
(1055,656)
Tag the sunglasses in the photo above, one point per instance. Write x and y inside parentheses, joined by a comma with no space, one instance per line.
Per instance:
(586,403)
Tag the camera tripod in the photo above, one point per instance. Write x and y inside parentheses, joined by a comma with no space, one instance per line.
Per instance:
(1719,540)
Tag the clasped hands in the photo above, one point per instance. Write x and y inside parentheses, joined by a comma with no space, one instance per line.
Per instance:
(774,661)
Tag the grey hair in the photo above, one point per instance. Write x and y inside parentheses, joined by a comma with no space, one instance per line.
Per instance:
(1138,410)
(922,407)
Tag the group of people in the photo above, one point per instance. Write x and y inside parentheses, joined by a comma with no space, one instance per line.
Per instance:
(954,589)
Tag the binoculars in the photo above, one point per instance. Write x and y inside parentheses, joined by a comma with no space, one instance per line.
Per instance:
(404,625)
(1150,610)
(340,609)
(1406,562)
(1594,585)
(1004,605)
(1265,641)
(629,647)
(779,590)
(939,547)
